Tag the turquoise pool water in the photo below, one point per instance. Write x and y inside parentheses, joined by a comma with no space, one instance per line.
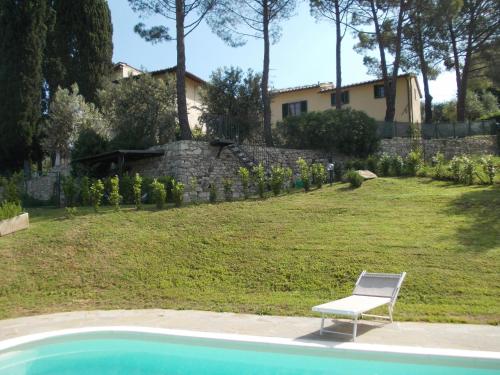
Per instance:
(148,354)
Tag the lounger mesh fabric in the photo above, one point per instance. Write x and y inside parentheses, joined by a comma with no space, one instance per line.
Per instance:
(377,285)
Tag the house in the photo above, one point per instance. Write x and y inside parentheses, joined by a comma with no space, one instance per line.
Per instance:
(194,85)
(364,96)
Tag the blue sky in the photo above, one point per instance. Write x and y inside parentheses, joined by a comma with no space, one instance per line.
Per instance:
(305,53)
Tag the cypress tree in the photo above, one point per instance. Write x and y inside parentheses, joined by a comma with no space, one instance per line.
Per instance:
(22,42)
(80,46)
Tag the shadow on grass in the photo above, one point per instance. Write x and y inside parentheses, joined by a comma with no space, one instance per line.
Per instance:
(481,207)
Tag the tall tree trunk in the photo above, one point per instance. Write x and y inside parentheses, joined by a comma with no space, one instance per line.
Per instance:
(181,72)
(458,76)
(383,62)
(425,76)
(338,51)
(391,106)
(266,100)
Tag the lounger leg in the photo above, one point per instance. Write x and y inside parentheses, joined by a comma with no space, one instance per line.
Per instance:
(390,312)
(355,328)
(322,324)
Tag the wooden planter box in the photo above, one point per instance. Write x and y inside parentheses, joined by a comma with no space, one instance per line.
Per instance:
(14,224)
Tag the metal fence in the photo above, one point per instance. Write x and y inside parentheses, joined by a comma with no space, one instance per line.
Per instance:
(442,130)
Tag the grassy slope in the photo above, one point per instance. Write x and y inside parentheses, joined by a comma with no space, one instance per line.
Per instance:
(279,256)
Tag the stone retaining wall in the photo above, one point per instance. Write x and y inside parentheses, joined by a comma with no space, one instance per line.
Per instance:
(475,145)
(184,160)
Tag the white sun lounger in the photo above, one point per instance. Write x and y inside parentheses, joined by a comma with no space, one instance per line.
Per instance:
(372,290)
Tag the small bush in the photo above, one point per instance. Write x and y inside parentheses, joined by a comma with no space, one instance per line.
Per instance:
(305,173)
(439,165)
(212,197)
(227,184)
(372,163)
(70,190)
(318,174)
(245,179)
(469,166)
(337,171)
(489,167)
(71,212)
(277,179)
(85,191)
(159,193)
(137,188)
(413,162)
(9,210)
(193,186)
(456,168)
(147,189)
(127,188)
(114,194)
(287,176)
(259,175)
(177,193)
(385,164)
(168,182)
(354,178)
(96,194)
(397,165)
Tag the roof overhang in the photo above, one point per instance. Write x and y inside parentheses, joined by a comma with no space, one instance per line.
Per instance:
(114,155)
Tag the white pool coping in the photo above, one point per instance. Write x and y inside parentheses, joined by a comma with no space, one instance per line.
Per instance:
(12,343)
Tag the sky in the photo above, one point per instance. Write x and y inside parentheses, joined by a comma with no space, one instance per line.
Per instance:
(304,55)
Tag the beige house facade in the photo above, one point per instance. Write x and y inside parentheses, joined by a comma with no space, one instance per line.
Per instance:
(194,84)
(367,96)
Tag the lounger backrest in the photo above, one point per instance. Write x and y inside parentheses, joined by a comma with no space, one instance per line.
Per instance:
(379,284)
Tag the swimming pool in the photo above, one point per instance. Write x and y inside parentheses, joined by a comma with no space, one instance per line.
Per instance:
(134,350)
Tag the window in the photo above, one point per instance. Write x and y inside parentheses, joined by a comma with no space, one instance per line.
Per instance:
(294,109)
(344,97)
(379,91)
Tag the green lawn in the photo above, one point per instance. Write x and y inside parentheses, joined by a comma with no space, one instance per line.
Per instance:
(278,256)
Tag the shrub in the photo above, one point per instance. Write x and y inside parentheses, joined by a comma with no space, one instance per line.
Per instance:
(127,188)
(357,164)
(489,167)
(346,130)
(456,168)
(9,210)
(114,194)
(287,176)
(439,164)
(468,170)
(305,173)
(11,191)
(71,212)
(85,191)
(137,188)
(69,190)
(159,193)
(168,181)
(372,163)
(337,171)
(96,194)
(413,162)
(177,193)
(245,179)
(193,186)
(227,184)
(354,178)
(259,175)
(147,189)
(385,164)
(397,165)
(212,197)
(318,174)
(277,179)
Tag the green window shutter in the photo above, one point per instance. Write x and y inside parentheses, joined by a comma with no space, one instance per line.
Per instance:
(284,110)
(303,106)
(332,99)
(345,97)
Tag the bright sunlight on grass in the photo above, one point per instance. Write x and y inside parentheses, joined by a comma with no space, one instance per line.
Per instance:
(278,256)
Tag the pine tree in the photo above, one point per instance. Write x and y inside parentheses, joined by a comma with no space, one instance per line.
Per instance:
(22,42)
(80,46)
